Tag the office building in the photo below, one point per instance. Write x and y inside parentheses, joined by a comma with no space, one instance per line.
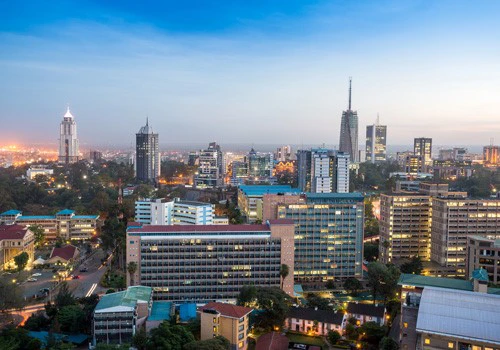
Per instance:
(328,171)
(414,165)
(64,224)
(118,316)
(95,156)
(491,155)
(14,240)
(376,143)
(260,165)
(203,263)
(176,212)
(349,131)
(454,221)
(35,170)
(483,253)
(227,320)
(210,171)
(68,140)
(328,236)
(422,146)
(405,226)
(283,154)
(147,155)
(249,197)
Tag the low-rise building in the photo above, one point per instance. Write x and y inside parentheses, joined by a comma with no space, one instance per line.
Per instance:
(64,224)
(118,315)
(484,253)
(14,240)
(227,320)
(35,170)
(313,321)
(366,313)
(63,255)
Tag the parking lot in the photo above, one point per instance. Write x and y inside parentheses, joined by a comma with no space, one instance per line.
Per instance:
(46,280)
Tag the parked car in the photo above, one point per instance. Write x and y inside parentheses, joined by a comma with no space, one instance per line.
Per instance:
(84,269)
(32,279)
(36,274)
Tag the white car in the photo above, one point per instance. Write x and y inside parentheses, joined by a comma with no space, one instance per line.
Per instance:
(31,280)
(36,274)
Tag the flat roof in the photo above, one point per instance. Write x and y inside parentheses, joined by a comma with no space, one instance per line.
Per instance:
(193,203)
(460,314)
(440,282)
(198,228)
(160,311)
(10,212)
(260,190)
(125,300)
(350,195)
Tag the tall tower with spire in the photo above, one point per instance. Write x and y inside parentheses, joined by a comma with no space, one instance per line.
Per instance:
(68,140)
(349,130)
(147,155)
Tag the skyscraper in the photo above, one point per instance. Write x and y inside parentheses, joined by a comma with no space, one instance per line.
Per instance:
(422,146)
(349,130)
(211,171)
(68,141)
(147,155)
(376,142)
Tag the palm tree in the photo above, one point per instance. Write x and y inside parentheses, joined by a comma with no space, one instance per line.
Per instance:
(132,268)
(284,270)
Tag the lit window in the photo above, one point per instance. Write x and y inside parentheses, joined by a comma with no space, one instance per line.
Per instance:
(450,345)
(240,344)
(405,324)
(427,341)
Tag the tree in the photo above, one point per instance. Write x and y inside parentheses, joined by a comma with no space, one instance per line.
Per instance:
(352,285)
(388,343)
(284,271)
(11,296)
(132,269)
(71,318)
(36,322)
(370,252)
(21,261)
(372,333)
(13,338)
(39,233)
(414,266)
(383,280)
(247,296)
(217,343)
(274,304)
(315,301)
(170,337)
(140,339)
(333,337)
(64,297)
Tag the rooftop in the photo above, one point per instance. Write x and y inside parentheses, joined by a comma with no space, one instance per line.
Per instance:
(228,310)
(259,190)
(193,203)
(12,232)
(197,228)
(66,212)
(124,301)
(460,314)
(324,316)
(11,212)
(366,309)
(439,282)
(351,195)
(67,252)
(160,311)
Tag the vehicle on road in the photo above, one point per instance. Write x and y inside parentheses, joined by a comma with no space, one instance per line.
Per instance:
(44,290)
(84,269)
(76,277)
(36,274)
(31,280)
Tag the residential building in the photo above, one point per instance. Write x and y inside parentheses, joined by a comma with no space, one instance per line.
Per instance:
(210,171)
(491,155)
(35,170)
(349,131)
(203,263)
(376,143)
(147,164)
(250,195)
(227,320)
(363,313)
(154,211)
(454,221)
(14,240)
(64,224)
(312,321)
(162,212)
(422,147)
(483,253)
(118,316)
(328,236)
(193,213)
(405,226)
(66,255)
(68,140)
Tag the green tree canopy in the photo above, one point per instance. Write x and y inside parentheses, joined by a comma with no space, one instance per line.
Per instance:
(169,337)
(11,296)
(333,337)
(352,285)
(71,318)
(21,261)
(414,266)
(383,280)
(217,343)
(39,233)
(388,344)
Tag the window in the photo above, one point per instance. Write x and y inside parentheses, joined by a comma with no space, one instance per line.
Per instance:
(240,328)
(405,324)
(240,336)
(451,345)
(240,344)
(215,320)
(427,341)
(242,319)
(215,329)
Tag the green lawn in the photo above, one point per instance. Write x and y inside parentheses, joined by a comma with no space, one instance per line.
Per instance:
(305,339)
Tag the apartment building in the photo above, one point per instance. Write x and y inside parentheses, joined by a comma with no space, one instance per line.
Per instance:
(203,263)
(64,224)
(454,221)
(14,240)
(313,321)
(119,315)
(227,320)
(176,212)
(405,226)
(483,253)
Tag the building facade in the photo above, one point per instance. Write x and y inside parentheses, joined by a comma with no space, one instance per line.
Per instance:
(176,212)
(454,221)
(491,155)
(193,213)
(483,253)
(405,226)
(147,163)
(259,165)
(64,224)
(211,170)
(349,131)
(313,321)
(422,146)
(376,143)
(68,140)
(203,263)
(14,240)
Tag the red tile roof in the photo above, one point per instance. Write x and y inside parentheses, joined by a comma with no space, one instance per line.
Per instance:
(200,228)
(67,252)
(228,310)
(272,341)
(12,232)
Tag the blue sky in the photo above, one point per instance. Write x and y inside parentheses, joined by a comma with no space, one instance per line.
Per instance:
(250,71)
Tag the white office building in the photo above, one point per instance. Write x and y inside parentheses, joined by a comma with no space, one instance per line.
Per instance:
(176,212)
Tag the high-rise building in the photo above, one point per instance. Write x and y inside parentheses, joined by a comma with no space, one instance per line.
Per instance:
(147,155)
(376,142)
(283,153)
(204,263)
(422,146)
(260,165)
(176,212)
(68,140)
(349,131)
(328,171)
(95,156)
(483,253)
(491,154)
(210,171)
(328,235)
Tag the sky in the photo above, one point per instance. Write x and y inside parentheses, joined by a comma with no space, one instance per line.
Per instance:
(259,71)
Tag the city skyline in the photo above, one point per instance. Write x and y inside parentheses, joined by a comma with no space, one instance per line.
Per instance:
(204,72)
